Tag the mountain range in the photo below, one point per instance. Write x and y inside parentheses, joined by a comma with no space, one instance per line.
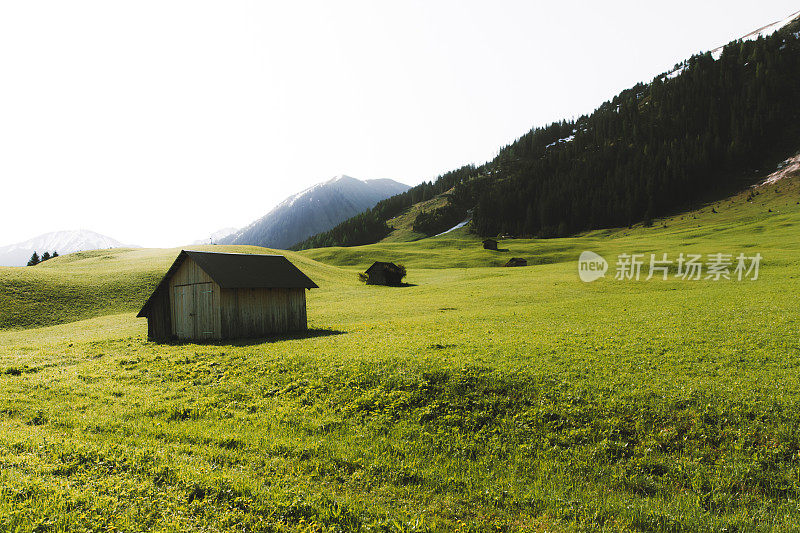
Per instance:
(63,242)
(315,210)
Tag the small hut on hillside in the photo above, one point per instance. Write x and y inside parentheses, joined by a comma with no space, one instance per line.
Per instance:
(490,244)
(213,296)
(382,273)
(517,262)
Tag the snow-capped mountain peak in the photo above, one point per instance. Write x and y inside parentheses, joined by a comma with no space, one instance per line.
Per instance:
(314,210)
(63,242)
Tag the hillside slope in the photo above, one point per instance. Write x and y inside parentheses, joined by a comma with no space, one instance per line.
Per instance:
(696,133)
(402,226)
(766,214)
(314,210)
(105,282)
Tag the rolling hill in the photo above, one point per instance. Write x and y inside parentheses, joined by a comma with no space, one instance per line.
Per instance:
(100,282)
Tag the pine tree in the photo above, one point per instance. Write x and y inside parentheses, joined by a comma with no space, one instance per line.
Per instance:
(530,222)
(45,256)
(55,254)
(34,260)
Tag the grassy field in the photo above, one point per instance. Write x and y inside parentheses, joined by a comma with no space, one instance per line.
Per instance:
(475,399)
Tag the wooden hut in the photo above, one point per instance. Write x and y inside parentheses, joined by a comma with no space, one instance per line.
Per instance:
(517,262)
(490,244)
(212,296)
(381,273)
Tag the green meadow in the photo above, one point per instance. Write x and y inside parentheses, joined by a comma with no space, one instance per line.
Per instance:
(477,398)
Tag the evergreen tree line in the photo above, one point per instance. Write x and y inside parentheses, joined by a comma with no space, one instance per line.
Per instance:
(654,149)
(35,259)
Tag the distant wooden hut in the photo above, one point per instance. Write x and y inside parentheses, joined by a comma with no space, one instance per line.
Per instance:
(212,296)
(517,262)
(382,273)
(490,244)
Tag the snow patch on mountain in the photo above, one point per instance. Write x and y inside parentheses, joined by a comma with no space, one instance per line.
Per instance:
(764,31)
(677,72)
(567,139)
(457,226)
(789,167)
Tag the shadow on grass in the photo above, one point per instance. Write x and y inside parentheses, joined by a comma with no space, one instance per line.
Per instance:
(292,335)
(310,333)
(393,286)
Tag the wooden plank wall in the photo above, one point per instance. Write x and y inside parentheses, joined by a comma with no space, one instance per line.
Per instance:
(208,319)
(195,303)
(193,307)
(159,322)
(262,312)
(189,272)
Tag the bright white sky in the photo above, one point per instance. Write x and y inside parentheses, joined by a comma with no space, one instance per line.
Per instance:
(159,122)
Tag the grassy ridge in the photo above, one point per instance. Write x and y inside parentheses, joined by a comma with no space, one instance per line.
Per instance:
(77,286)
(97,283)
(475,399)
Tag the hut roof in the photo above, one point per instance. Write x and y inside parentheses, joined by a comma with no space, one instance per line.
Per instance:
(517,261)
(490,240)
(382,265)
(241,271)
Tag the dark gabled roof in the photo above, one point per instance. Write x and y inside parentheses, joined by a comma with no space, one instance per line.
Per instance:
(382,265)
(241,271)
(251,271)
(489,240)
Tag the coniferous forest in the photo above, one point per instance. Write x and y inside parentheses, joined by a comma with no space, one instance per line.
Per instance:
(654,149)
